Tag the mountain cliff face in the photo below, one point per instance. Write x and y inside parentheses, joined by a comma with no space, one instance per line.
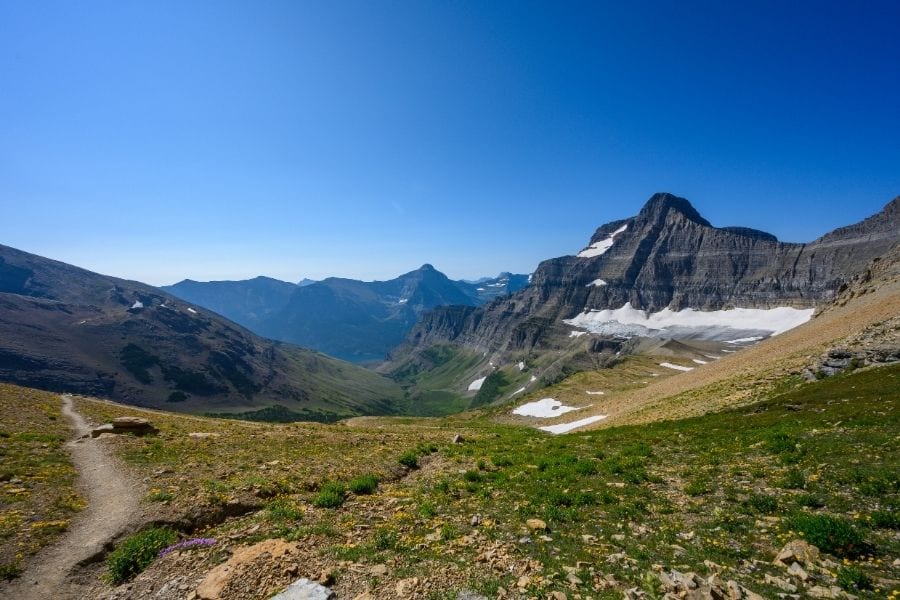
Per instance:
(666,256)
(67,329)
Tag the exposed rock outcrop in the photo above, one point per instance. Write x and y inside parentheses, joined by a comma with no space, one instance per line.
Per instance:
(666,256)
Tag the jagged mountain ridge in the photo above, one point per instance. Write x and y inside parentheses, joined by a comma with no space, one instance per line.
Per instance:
(346,318)
(63,328)
(666,256)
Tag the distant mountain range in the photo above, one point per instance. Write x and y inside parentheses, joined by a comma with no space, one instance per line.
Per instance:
(349,319)
(66,329)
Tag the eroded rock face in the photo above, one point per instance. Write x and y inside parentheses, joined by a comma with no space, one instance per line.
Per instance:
(667,256)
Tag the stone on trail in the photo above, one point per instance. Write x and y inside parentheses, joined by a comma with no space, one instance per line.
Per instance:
(304,589)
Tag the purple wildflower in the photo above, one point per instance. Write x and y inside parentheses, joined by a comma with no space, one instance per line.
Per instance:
(187,544)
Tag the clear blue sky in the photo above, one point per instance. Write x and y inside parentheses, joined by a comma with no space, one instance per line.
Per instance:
(163,140)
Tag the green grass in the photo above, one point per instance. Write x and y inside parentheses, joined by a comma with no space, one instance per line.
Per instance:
(364,484)
(331,495)
(136,553)
(816,461)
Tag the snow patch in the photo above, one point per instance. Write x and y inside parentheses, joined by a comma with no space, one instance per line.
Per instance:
(191,310)
(521,365)
(566,427)
(598,248)
(594,393)
(137,304)
(745,340)
(517,392)
(479,289)
(533,379)
(577,333)
(676,367)
(545,408)
(690,323)
(403,301)
(597,282)
(476,385)
(700,362)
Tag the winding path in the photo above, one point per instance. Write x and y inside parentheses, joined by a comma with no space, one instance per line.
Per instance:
(113,507)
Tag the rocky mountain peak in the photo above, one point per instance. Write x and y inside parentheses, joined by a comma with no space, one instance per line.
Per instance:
(660,204)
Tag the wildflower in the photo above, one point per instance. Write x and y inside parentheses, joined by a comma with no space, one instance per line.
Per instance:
(187,544)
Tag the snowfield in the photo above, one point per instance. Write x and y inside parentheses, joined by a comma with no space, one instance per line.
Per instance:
(566,427)
(676,367)
(690,323)
(599,248)
(545,408)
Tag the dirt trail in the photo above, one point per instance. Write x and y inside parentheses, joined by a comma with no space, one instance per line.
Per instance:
(113,508)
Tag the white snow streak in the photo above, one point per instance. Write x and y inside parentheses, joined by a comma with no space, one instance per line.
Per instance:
(676,367)
(594,393)
(596,282)
(545,408)
(476,385)
(700,362)
(598,248)
(566,427)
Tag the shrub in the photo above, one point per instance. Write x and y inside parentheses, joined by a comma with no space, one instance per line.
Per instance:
(696,487)
(137,552)
(409,459)
(9,571)
(385,539)
(830,534)
(762,503)
(885,519)
(793,480)
(364,484)
(282,509)
(853,579)
(331,495)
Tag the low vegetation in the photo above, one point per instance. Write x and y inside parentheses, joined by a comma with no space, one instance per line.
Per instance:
(722,492)
(37,491)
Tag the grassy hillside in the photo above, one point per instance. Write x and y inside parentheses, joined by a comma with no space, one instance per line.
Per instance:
(37,492)
(720,493)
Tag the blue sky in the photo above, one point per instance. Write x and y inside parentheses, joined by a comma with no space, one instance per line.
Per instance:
(216,140)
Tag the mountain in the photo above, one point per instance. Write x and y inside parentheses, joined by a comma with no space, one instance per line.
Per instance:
(63,328)
(359,320)
(346,318)
(486,289)
(666,258)
(247,303)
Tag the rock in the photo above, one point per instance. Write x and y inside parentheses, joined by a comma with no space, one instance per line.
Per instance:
(819,591)
(304,589)
(120,425)
(458,439)
(782,584)
(476,521)
(365,596)
(379,570)
(217,579)
(574,579)
(326,577)
(734,590)
(559,596)
(536,524)
(405,588)
(467,595)
(795,570)
(523,582)
(798,551)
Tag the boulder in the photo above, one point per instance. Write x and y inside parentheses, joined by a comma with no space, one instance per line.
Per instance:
(304,589)
(120,425)
(799,551)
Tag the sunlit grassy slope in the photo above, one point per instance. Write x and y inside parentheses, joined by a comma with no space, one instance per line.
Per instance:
(718,492)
